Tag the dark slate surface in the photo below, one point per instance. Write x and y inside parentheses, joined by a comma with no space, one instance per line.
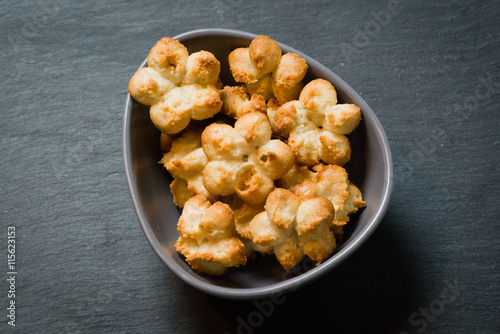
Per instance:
(429,69)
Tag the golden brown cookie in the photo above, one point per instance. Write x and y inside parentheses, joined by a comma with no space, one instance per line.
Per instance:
(185,161)
(316,125)
(177,86)
(207,237)
(328,181)
(265,71)
(244,160)
(294,228)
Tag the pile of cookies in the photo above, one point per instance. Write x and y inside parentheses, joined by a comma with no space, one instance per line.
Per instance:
(256,167)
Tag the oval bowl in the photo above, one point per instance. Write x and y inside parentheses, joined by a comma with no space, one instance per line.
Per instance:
(370,168)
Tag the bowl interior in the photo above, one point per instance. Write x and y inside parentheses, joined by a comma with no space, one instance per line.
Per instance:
(370,169)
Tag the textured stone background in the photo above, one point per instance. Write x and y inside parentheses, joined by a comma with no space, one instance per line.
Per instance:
(429,69)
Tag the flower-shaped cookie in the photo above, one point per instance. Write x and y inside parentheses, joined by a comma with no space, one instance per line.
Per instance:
(185,161)
(294,228)
(207,237)
(266,71)
(316,125)
(244,160)
(328,181)
(177,86)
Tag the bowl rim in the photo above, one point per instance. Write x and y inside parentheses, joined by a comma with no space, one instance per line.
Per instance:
(305,277)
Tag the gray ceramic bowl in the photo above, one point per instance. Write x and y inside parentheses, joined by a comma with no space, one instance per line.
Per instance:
(370,169)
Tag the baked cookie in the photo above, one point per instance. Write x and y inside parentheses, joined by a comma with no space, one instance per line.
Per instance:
(315,125)
(177,86)
(262,86)
(294,228)
(328,181)
(244,160)
(265,71)
(185,161)
(207,237)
